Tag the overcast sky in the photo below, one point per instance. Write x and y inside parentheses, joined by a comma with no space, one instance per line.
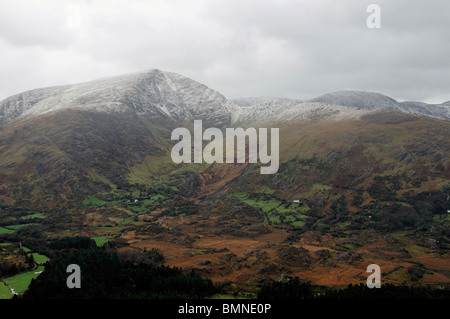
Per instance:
(298,49)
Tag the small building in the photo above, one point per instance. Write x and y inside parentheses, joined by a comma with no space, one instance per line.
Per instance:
(296,201)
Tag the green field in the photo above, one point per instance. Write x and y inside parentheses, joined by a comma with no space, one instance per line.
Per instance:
(155,198)
(92,201)
(40,259)
(21,282)
(5,293)
(285,208)
(277,211)
(298,223)
(264,205)
(6,231)
(100,240)
(26,249)
(137,208)
(275,219)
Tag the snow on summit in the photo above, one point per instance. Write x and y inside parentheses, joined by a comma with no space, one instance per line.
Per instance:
(160,93)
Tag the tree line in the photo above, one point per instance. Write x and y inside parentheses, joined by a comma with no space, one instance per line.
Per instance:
(299,290)
(104,275)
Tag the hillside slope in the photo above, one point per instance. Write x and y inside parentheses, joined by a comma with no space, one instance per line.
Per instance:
(357,184)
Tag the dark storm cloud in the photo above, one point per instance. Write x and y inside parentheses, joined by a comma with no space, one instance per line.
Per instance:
(297,49)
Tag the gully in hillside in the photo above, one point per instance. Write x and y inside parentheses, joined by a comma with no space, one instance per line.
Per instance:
(213,152)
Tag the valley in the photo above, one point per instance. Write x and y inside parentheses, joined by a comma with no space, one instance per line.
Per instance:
(355,186)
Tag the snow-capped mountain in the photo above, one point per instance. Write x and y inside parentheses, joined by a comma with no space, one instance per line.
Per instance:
(154,93)
(80,139)
(281,110)
(15,106)
(370,100)
(434,110)
(160,94)
(251,101)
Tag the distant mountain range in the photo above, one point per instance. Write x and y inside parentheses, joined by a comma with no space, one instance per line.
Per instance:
(157,93)
(369,100)
(354,99)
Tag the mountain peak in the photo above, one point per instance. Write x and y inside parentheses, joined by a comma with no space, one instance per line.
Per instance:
(153,92)
(360,99)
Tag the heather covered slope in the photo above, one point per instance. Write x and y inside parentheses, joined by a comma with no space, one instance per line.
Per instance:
(93,138)
(60,157)
(350,152)
(355,185)
(59,144)
(65,143)
(70,154)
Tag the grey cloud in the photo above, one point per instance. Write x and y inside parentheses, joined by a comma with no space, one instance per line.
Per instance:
(298,49)
(29,24)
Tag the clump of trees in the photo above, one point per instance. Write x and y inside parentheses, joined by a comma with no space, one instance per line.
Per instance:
(387,291)
(291,289)
(105,275)
(419,209)
(78,242)
(8,269)
(395,217)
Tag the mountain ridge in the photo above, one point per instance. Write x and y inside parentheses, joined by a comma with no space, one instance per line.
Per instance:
(372,100)
(165,94)
(154,93)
